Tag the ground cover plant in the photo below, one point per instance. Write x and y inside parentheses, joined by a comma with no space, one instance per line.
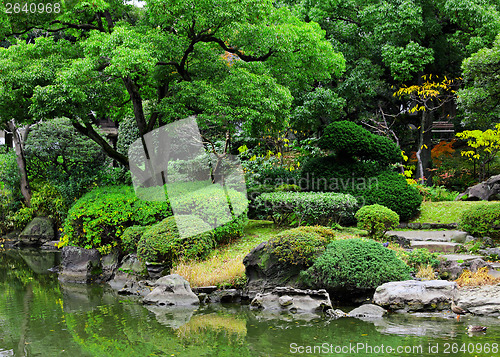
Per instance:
(445,212)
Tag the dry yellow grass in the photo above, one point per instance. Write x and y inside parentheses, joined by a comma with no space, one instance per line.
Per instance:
(480,277)
(215,271)
(426,272)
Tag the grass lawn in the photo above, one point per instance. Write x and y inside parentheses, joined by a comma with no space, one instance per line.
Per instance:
(225,266)
(445,212)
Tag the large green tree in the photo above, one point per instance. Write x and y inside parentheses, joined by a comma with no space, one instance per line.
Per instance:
(23,67)
(236,65)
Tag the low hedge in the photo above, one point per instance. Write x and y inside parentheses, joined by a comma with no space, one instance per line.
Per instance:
(355,264)
(162,243)
(307,207)
(376,219)
(131,237)
(301,245)
(482,220)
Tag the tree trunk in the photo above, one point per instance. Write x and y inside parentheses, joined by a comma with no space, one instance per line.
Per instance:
(21,159)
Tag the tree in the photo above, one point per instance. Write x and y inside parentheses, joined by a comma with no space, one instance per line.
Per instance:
(485,145)
(23,67)
(175,64)
(426,98)
(479,99)
(393,42)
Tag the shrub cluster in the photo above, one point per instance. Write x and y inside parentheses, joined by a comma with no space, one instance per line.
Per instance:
(355,264)
(310,207)
(46,201)
(98,218)
(161,243)
(376,219)
(420,257)
(482,221)
(301,245)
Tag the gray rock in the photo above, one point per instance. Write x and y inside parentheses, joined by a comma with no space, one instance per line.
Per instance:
(293,300)
(469,239)
(483,191)
(488,242)
(136,288)
(265,272)
(412,295)
(450,269)
(80,265)
(368,311)
(225,296)
(171,290)
(481,300)
(130,271)
(52,245)
(38,231)
(459,237)
(335,314)
(490,252)
(475,264)
(109,265)
(285,300)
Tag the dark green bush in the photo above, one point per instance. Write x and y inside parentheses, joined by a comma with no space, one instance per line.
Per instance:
(311,207)
(99,218)
(376,219)
(161,243)
(349,140)
(482,221)
(56,152)
(131,236)
(355,264)
(300,246)
(392,191)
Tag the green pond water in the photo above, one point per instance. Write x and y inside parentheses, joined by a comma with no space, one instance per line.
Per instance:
(41,317)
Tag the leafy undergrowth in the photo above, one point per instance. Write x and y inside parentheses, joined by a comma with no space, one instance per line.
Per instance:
(224,267)
(445,212)
(479,278)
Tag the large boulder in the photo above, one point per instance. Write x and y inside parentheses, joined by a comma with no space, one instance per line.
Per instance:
(480,300)
(171,290)
(130,271)
(40,230)
(80,265)
(486,190)
(293,300)
(265,272)
(412,295)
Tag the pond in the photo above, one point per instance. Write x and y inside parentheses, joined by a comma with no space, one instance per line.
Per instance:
(41,317)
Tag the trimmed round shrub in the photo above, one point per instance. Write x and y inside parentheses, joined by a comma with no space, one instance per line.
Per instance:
(350,140)
(376,219)
(350,264)
(98,219)
(482,221)
(300,246)
(131,237)
(392,191)
(162,243)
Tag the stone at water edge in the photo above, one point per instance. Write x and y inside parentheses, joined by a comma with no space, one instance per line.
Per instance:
(38,231)
(480,300)
(171,290)
(412,295)
(80,265)
(368,311)
(293,300)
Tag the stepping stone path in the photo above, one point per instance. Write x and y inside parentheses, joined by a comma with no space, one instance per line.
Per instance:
(441,242)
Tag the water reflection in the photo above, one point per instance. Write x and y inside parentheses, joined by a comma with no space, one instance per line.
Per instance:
(41,317)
